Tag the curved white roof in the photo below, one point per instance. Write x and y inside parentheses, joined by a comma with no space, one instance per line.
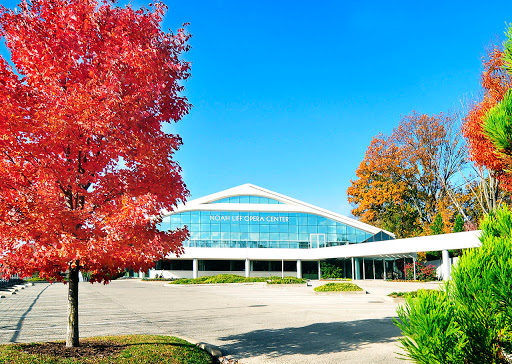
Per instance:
(288,205)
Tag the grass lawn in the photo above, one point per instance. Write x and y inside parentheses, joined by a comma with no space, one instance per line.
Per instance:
(338,287)
(133,349)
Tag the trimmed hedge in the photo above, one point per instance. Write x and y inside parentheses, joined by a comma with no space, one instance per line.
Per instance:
(220,278)
(338,287)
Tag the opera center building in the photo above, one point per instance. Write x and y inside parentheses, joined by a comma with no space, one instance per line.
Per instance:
(252,231)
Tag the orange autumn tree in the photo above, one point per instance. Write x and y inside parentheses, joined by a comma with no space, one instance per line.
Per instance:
(403,179)
(490,165)
(85,168)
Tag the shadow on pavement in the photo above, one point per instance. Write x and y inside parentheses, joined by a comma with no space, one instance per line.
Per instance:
(20,321)
(320,338)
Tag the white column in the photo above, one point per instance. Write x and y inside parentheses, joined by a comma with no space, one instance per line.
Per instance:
(353,269)
(299,268)
(141,274)
(282,268)
(364,271)
(195,264)
(247,268)
(373,262)
(446,265)
(384,263)
(319,271)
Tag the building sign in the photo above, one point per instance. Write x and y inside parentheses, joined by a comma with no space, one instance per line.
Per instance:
(221,218)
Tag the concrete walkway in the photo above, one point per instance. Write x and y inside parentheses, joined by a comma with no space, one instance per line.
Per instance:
(252,323)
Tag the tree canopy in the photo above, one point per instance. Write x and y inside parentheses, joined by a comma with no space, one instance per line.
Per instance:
(402,181)
(85,168)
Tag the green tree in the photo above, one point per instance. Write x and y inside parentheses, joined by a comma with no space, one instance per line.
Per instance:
(470,320)
(458,226)
(437,226)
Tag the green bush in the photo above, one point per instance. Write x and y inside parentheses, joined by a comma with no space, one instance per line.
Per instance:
(331,268)
(338,287)
(411,294)
(430,333)
(220,278)
(471,320)
(285,280)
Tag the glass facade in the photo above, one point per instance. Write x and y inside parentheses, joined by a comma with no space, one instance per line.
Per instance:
(235,229)
(249,199)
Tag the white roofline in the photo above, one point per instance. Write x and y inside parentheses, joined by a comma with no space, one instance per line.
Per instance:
(289,205)
(379,249)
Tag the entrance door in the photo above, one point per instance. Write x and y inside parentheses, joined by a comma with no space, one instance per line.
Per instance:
(316,240)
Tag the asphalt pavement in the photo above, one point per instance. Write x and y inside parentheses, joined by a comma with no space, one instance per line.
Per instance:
(253,323)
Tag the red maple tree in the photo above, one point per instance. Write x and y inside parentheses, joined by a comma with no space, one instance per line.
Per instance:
(495,82)
(85,168)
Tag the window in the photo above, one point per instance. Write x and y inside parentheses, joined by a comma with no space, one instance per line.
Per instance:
(239,229)
(248,199)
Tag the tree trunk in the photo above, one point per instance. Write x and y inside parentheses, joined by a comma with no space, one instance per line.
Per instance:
(72,334)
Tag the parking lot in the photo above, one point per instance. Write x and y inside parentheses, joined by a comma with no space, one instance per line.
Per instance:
(254,323)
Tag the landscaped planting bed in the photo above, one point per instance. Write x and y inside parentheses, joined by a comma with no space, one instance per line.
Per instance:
(338,287)
(220,278)
(411,294)
(130,349)
(233,278)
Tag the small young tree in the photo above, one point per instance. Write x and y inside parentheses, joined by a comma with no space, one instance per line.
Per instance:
(437,226)
(470,321)
(85,169)
(458,225)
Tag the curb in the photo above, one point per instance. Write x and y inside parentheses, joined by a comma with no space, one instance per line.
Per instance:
(211,349)
(340,293)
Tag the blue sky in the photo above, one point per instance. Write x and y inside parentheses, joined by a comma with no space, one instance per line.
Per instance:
(287,95)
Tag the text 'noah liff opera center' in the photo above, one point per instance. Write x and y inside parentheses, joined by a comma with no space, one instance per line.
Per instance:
(251,231)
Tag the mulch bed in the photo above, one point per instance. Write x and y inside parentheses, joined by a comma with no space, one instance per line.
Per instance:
(90,349)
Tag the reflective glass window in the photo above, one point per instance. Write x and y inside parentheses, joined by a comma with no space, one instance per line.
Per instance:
(239,229)
(312,229)
(248,199)
(293,229)
(185,218)
(194,217)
